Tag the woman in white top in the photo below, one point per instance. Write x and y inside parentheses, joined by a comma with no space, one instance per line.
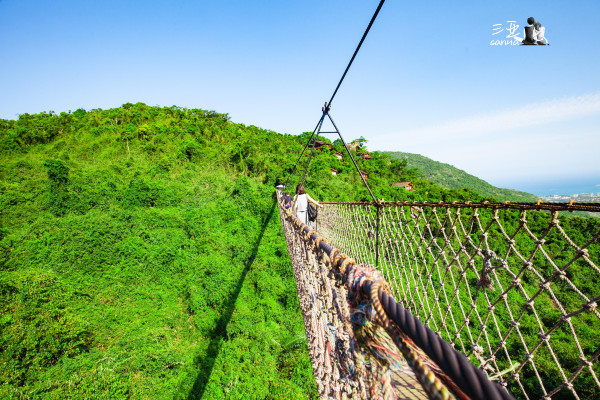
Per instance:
(538,33)
(301,204)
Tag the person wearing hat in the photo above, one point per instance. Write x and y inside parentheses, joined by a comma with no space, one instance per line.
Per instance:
(280,190)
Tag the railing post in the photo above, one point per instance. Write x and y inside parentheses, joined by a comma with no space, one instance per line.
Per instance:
(378,207)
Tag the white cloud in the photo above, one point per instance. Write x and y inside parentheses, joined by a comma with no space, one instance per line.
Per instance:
(503,145)
(525,157)
(481,125)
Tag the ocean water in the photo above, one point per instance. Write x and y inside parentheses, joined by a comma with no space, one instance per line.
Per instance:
(558,185)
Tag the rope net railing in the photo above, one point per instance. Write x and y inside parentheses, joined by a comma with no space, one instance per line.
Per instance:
(342,369)
(513,287)
(360,338)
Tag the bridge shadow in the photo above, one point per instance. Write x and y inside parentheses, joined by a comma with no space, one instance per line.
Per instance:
(219,334)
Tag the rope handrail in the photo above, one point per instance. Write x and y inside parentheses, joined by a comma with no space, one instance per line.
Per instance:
(466,375)
(572,206)
(469,379)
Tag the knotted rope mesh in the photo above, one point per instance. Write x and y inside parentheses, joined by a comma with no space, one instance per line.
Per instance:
(344,345)
(512,287)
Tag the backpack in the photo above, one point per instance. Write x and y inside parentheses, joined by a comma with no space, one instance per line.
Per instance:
(312,212)
(287,201)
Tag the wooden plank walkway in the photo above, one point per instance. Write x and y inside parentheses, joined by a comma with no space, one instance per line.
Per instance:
(407,386)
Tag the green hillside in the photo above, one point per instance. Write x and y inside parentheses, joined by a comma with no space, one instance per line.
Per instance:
(141,254)
(451,177)
(139,260)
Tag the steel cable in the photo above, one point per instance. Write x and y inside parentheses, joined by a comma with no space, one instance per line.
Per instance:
(328,105)
(355,52)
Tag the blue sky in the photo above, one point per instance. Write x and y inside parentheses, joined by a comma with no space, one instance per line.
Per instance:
(426,81)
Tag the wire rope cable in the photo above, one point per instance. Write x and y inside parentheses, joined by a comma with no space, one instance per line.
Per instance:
(328,104)
(355,52)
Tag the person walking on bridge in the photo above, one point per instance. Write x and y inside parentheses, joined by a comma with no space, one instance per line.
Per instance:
(301,203)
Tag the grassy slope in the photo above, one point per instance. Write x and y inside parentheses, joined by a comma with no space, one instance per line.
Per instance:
(141,255)
(158,272)
(451,177)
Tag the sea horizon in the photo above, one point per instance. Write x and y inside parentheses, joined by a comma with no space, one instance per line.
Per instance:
(556,186)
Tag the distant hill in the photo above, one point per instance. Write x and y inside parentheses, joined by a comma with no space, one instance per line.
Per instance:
(451,177)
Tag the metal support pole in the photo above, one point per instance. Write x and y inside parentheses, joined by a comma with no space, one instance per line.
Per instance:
(312,149)
(352,158)
(305,146)
(377,237)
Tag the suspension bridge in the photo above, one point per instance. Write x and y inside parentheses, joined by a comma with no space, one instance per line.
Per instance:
(446,300)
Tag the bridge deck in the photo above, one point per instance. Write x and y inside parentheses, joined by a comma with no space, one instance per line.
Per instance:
(406,385)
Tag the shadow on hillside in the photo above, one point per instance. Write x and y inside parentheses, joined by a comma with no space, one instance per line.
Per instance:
(207,361)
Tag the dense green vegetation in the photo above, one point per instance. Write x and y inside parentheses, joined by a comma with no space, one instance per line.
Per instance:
(451,177)
(382,171)
(141,254)
(142,258)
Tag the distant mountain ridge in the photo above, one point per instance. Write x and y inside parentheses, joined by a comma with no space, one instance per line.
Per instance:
(451,177)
